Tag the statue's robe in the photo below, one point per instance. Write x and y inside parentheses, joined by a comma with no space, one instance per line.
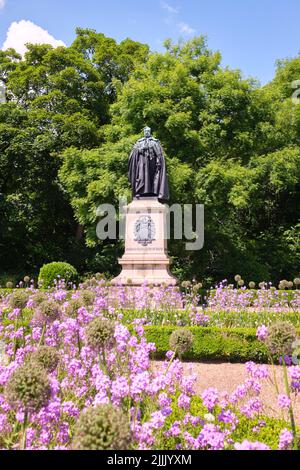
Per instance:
(147,169)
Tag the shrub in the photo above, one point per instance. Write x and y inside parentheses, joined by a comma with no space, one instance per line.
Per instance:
(251,430)
(53,272)
(212,343)
(236,319)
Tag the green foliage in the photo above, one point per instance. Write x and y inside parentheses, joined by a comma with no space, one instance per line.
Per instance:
(250,429)
(71,117)
(214,129)
(156,316)
(268,434)
(53,272)
(56,98)
(211,343)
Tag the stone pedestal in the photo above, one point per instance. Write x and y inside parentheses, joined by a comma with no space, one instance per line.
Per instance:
(146,257)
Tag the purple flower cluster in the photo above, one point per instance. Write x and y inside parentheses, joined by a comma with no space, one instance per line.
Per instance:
(262,332)
(227,298)
(158,398)
(246,445)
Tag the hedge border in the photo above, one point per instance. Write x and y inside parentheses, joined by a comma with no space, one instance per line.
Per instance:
(213,344)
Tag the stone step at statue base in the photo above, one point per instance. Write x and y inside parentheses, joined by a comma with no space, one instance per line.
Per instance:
(135,272)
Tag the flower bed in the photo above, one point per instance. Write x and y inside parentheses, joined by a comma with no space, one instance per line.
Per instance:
(72,376)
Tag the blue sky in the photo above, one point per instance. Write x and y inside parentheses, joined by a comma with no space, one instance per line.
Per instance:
(251,34)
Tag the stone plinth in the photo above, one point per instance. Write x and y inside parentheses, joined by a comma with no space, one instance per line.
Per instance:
(146,257)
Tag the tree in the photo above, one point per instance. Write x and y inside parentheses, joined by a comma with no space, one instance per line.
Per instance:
(73,115)
(114,62)
(56,99)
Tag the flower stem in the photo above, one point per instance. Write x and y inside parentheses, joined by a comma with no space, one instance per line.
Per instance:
(23,440)
(291,412)
(42,335)
(171,360)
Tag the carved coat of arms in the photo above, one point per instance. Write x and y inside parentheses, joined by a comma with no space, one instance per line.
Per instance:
(144,230)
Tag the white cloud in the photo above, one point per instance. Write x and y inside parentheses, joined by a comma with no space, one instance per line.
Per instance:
(2,4)
(22,32)
(169,8)
(185,28)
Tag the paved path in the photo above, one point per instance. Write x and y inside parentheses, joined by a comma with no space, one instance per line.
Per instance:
(226,377)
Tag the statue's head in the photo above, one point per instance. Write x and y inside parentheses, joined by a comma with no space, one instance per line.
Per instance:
(147,131)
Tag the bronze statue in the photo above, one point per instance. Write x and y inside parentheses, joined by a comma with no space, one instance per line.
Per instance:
(147,169)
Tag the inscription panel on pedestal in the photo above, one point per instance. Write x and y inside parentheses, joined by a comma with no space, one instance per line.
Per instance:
(144,230)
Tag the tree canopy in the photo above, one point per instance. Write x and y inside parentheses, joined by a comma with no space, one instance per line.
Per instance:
(72,115)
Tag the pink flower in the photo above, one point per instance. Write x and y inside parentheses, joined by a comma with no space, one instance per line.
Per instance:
(262,332)
(283,401)
(252,407)
(211,437)
(285,439)
(247,445)
(184,401)
(210,398)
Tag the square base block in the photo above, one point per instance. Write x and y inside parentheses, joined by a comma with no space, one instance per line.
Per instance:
(146,257)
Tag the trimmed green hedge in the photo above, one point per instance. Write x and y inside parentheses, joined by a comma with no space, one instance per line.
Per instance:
(226,344)
(52,272)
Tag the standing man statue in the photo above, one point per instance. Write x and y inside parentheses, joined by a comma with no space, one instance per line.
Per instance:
(147,169)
